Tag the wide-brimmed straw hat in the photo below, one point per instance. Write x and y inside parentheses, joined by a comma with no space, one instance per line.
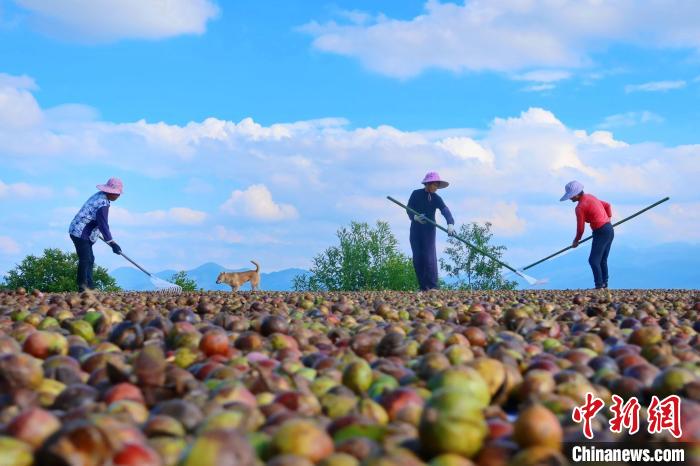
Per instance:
(112,186)
(433,177)
(572,188)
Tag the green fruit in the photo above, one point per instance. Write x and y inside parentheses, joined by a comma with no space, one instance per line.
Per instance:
(450,459)
(452,423)
(219,448)
(335,406)
(465,379)
(168,448)
(83,329)
(381,384)
(15,452)
(303,438)
(357,376)
(340,459)
(321,385)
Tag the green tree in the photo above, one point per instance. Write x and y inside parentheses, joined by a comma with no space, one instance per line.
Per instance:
(366,259)
(471,269)
(184,281)
(55,271)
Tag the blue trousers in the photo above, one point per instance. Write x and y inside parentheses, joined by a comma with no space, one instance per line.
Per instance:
(598,259)
(424,255)
(86,261)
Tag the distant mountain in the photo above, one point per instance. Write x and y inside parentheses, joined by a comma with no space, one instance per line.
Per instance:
(132,279)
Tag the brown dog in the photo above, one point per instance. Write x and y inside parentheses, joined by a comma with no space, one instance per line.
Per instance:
(236,279)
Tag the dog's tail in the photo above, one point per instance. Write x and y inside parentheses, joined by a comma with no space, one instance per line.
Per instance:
(257,266)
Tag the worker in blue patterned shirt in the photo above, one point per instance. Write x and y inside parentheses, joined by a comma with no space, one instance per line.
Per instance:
(87,223)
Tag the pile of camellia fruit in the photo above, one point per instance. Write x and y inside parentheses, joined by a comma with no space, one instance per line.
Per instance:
(336,379)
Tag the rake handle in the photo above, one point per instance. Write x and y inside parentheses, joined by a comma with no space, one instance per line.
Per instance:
(591,236)
(455,236)
(127,258)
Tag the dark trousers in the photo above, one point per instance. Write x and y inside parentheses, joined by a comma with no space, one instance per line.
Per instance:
(86,261)
(602,239)
(424,255)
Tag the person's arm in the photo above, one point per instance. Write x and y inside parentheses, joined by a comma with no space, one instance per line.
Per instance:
(412,204)
(103,224)
(580,224)
(446,212)
(608,209)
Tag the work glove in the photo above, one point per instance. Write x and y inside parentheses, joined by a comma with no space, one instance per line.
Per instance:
(115,247)
(450,229)
(420,219)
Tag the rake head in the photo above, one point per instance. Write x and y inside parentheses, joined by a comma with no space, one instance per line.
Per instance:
(532,281)
(163,286)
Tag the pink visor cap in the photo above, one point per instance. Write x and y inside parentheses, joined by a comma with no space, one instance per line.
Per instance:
(112,186)
(433,177)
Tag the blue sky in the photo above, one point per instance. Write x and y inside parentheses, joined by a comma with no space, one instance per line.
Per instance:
(255,129)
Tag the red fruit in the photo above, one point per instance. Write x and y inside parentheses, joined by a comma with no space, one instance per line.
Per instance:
(42,344)
(124,391)
(498,428)
(214,342)
(476,336)
(134,454)
(396,400)
(33,426)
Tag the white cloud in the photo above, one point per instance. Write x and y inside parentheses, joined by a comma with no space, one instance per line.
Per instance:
(539,87)
(504,218)
(256,202)
(18,107)
(8,245)
(507,35)
(153,218)
(17,82)
(23,191)
(340,173)
(655,86)
(543,76)
(109,20)
(466,148)
(629,119)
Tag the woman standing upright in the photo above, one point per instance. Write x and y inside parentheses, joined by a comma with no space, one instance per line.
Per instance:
(598,213)
(425,201)
(90,220)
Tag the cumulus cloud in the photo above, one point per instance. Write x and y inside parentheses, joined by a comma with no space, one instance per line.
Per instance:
(256,202)
(655,86)
(506,35)
(8,245)
(109,20)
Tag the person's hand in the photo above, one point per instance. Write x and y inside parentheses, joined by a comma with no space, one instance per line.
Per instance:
(115,247)
(450,229)
(420,219)
(574,244)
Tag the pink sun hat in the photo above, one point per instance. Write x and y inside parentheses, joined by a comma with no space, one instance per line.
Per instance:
(432,177)
(112,186)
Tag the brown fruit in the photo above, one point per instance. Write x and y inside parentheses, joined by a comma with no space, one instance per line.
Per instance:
(538,426)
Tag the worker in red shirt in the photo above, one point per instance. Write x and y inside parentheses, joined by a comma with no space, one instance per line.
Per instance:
(598,213)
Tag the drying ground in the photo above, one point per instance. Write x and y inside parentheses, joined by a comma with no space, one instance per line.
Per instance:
(383,378)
